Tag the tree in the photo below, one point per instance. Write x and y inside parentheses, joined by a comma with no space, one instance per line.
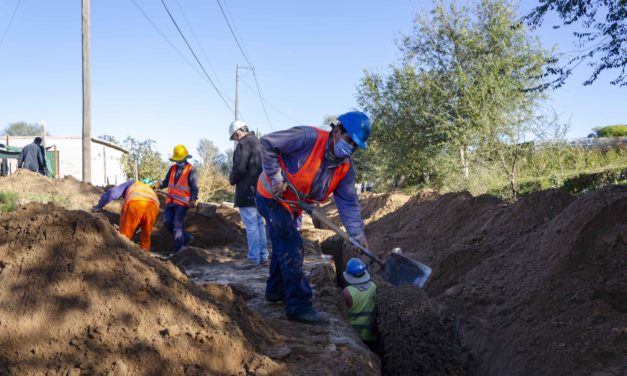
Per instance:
(213,167)
(601,37)
(22,128)
(618,130)
(462,91)
(207,152)
(149,162)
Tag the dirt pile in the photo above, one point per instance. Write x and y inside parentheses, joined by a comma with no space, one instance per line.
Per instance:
(75,297)
(375,205)
(67,192)
(417,337)
(539,286)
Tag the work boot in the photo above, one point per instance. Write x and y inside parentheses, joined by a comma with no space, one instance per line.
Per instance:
(309,317)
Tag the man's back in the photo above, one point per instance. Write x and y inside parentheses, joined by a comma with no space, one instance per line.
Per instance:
(246,170)
(31,157)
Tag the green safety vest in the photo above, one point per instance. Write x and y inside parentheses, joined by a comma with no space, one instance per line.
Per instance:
(362,314)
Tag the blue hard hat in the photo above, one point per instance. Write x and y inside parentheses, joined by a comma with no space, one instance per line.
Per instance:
(357,125)
(355,267)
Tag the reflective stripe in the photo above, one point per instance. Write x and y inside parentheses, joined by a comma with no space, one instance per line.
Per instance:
(179,192)
(360,314)
(140,192)
(304,177)
(182,188)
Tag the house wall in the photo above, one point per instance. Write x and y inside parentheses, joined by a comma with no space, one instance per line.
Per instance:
(106,166)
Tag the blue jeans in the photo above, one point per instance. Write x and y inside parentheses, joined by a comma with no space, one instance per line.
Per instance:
(287,281)
(174,222)
(255,234)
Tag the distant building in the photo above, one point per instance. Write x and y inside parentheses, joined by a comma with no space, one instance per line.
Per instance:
(106,165)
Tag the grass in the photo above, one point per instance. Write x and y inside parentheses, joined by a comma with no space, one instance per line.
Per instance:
(8,201)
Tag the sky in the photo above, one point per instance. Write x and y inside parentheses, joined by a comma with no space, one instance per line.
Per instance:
(308,58)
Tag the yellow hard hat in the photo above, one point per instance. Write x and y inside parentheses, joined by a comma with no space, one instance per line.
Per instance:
(180,154)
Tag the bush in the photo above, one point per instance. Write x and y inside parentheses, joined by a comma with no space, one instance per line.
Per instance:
(618,130)
(8,201)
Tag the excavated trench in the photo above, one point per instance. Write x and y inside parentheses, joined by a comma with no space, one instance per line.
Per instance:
(416,335)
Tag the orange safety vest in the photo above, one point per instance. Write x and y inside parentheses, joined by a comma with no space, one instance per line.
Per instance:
(179,192)
(303,179)
(140,192)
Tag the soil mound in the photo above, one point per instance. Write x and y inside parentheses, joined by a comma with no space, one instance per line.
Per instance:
(539,286)
(417,338)
(373,205)
(67,192)
(75,297)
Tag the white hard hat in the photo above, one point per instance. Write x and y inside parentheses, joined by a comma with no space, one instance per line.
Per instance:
(235,126)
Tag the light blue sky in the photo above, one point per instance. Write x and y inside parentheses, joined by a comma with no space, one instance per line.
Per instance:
(309,57)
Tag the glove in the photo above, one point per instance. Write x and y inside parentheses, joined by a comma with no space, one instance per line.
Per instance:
(95,209)
(278,187)
(361,239)
(156,186)
(192,204)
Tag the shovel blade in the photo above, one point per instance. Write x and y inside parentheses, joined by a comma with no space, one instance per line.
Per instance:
(400,270)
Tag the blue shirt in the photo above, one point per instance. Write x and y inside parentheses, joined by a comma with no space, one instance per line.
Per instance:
(113,194)
(295,146)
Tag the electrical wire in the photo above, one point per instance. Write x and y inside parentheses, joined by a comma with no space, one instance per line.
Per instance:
(202,50)
(263,105)
(6,31)
(196,57)
(154,25)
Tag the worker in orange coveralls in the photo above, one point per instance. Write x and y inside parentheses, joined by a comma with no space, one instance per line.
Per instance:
(141,208)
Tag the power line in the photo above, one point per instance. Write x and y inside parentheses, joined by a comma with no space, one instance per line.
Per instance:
(196,57)
(154,25)
(202,50)
(263,105)
(6,31)
(226,5)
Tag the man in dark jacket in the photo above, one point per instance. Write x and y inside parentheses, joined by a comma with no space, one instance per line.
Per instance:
(244,175)
(32,157)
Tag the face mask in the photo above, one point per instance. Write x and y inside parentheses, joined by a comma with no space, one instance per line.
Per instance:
(343,149)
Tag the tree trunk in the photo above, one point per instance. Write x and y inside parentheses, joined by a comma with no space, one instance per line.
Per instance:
(463,155)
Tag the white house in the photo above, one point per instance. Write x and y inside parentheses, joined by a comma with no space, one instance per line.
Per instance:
(106,166)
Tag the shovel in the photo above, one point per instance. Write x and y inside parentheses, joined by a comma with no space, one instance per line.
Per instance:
(397,270)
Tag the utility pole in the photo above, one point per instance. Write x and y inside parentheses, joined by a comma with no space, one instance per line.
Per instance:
(86,96)
(237,68)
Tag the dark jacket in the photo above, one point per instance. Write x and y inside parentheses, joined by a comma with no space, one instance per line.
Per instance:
(32,158)
(246,170)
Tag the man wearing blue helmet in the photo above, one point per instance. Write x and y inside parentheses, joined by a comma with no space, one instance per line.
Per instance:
(316,163)
(360,296)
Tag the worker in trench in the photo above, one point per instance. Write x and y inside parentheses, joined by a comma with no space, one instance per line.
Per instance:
(360,296)
(182,184)
(244,175)
(316,163)
(140,210)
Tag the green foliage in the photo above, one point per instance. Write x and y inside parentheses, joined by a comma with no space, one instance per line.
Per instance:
(618,130)
(213,168)
(22,128)
(108,138)
(462,94)
(8,201)
(600,31)
(149,162)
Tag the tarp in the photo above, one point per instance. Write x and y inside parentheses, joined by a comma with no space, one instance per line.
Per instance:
(13,152)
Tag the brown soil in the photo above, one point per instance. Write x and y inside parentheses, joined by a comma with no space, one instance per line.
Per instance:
(539,286)
(418,338)
(77,296)
(67,192)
